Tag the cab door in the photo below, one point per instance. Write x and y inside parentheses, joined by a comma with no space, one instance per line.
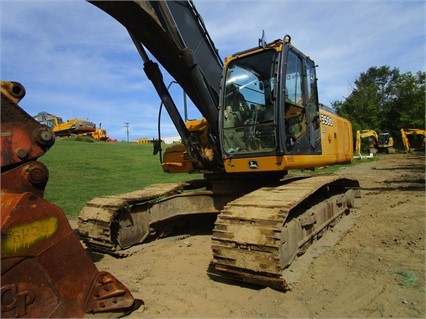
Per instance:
(299,105)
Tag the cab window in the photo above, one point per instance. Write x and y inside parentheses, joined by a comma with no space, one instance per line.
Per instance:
(295,115)
(248,110)
(293,79)
(311,92)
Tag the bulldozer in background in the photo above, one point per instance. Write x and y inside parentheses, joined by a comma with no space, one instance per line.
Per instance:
(99,134)
(261,118)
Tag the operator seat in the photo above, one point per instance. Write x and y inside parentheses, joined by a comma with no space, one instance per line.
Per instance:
(233,139)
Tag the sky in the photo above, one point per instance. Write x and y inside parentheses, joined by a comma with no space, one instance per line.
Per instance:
(76,61)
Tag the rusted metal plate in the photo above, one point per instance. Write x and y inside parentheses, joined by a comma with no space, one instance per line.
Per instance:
(38,240)
(45,271)
(107,293)
(29,177)
(22,137)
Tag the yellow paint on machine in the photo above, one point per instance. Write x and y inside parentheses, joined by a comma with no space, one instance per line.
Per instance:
(336,144)
(24,236)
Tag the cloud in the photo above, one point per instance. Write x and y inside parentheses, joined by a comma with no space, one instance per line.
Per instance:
(76,61)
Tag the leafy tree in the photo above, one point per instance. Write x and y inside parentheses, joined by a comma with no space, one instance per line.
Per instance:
(385,100)
(409,105)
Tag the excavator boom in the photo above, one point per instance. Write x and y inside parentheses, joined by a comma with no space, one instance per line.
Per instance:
(174,33)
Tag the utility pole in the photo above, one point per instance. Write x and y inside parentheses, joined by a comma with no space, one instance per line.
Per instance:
(127,130)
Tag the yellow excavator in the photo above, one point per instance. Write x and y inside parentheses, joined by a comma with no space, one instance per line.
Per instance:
(377,143)
(372,141)
(385,143)
(71,127)
(261,118)
(413,139)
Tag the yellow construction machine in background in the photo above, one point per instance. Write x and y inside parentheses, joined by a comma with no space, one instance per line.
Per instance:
(386,143)
(372,139)
(377,143)
(73,127)
(60,128)
(413,139)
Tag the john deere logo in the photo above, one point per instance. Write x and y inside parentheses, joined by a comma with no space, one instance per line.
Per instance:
(253,164)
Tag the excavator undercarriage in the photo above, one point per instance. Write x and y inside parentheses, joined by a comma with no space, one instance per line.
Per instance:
(258,231)
(257,236)
(114,224)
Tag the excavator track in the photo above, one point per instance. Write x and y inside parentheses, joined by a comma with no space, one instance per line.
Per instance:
(117,224)
(102,222)
(258,235)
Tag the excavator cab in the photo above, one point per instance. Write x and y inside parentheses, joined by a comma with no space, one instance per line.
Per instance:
(269,107)
(270,102)
(385,143)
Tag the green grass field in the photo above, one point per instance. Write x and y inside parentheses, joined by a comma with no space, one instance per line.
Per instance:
(80,171)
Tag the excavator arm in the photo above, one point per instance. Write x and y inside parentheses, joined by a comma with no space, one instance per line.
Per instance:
(174,33)
(372,143)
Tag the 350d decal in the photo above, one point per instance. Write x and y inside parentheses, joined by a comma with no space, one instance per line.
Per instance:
(326,120)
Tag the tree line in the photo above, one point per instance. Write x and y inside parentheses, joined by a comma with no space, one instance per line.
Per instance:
(385,100)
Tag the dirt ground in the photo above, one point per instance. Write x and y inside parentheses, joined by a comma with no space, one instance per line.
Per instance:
(376,270)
